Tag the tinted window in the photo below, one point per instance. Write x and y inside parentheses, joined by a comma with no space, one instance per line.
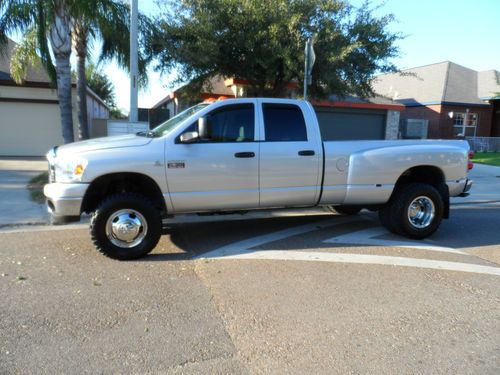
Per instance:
(284,123)
(233,123)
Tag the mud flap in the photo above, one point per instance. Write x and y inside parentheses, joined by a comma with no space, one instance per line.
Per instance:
(445,195)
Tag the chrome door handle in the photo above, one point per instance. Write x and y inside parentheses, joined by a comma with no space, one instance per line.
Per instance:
(244,155)
(306,153)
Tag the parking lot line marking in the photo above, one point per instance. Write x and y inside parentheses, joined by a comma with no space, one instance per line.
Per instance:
(365,259)
(365,237)
(238,247)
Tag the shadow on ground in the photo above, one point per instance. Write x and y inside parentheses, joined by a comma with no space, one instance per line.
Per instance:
(466,228)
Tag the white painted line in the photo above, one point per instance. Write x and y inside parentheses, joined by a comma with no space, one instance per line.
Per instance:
(366,259)
(364,237)
(238,247)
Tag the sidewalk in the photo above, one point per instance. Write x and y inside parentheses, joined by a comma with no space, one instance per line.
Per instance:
(16,207)
(486,186)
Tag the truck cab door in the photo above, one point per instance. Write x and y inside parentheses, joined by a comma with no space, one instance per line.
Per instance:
(290,155)
(220,172)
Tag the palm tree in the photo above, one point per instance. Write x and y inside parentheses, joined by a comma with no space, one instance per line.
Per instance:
(47,19)
(91,20)
(107,21)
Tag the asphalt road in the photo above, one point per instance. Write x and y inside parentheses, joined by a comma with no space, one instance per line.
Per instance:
(300,295)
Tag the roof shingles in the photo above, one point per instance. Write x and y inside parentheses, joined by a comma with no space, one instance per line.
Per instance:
(437,83)
(34,74)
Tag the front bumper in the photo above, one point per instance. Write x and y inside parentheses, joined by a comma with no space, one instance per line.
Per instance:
(64,200)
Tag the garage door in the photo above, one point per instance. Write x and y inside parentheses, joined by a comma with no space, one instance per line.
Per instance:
(350,124)
(29,129)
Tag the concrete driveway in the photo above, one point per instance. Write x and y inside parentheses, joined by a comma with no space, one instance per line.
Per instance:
(16,207)
(486,187)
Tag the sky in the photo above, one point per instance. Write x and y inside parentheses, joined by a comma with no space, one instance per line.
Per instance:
(462,31)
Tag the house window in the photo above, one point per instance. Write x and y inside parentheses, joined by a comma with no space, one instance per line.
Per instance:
(464,124)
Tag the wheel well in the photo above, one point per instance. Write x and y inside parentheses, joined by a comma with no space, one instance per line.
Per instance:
(424,174)
(427,174)
(115,183)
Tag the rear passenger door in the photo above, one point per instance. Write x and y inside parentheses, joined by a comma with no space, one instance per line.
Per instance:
(290,156)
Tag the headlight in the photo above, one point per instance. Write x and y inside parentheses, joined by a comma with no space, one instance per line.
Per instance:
(70,170)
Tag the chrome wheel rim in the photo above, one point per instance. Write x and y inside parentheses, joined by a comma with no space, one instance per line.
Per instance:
(421,212)
(126,228)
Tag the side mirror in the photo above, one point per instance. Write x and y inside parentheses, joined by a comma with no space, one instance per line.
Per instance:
(189,137)
(203,128)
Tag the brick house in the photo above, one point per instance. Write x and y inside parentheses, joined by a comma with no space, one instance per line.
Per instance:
(457,101)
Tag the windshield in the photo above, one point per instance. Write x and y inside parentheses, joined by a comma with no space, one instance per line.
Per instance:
(170,124)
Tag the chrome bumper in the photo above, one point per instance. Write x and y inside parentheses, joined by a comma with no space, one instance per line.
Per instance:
(459,188)
(468,185)
(65,199)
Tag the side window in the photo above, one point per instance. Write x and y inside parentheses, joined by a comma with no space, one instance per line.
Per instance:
(284,122)
(234,123)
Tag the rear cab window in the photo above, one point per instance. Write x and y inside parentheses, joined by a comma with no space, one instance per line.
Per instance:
(284,123)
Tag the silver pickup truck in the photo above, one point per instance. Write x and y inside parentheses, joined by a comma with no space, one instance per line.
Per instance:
(245,154)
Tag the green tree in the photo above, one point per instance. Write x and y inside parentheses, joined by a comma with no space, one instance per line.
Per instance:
(108,22)
(87,21)
(262,41)
(100,84)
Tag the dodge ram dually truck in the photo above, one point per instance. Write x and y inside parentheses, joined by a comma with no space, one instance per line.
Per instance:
(244,154)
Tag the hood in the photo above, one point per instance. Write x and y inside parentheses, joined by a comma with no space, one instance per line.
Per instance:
(127,140)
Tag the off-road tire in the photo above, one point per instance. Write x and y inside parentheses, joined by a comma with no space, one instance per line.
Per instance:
(117,202)
(394,215)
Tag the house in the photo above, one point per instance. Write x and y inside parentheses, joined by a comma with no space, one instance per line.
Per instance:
(347,118)
(456,101)
(30,122)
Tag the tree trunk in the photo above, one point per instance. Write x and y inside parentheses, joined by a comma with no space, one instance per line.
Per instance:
(63,71)
(60,40)
(81,37)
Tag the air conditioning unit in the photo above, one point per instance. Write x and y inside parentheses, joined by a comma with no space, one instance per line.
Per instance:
(414,128)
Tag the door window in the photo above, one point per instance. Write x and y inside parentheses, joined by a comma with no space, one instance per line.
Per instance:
(284,122)
(234,123)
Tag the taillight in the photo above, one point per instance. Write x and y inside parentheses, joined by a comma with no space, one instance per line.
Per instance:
(470,164)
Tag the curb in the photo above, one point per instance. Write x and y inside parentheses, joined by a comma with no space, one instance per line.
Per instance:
(473,202)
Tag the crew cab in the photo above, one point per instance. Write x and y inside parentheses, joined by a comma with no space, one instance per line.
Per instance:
(248,154)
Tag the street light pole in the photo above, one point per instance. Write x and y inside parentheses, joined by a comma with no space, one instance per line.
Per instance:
(134,71)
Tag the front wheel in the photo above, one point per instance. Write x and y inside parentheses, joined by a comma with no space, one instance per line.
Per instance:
(415,211)
(125,226)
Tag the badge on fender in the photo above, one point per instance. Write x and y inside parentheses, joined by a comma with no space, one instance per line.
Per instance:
(173,164)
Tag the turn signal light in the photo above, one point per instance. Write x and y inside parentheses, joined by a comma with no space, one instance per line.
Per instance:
(79,169)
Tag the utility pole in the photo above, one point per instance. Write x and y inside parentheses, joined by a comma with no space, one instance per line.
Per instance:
(134,71)
(309,62)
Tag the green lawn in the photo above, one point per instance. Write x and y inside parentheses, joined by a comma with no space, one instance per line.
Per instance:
(491,158)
